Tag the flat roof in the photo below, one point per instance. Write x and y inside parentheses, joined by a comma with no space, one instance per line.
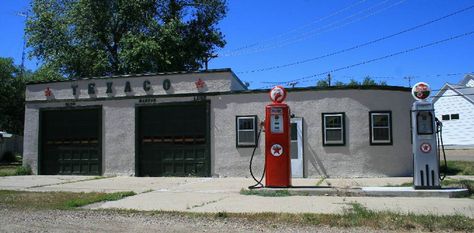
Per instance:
(138,75)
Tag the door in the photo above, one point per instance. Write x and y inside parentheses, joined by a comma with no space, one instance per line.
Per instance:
(296,147)
(173,139)
(70,142)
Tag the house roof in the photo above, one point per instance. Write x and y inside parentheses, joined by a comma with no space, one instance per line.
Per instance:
(460,89)
(466,79)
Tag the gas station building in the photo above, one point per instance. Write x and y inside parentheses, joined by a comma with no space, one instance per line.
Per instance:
(206,124)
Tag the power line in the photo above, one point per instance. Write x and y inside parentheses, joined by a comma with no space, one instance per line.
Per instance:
(306,78)
(298,28)
(359,45)
(318,31)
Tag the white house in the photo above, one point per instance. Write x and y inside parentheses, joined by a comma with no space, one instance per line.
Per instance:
(454,106)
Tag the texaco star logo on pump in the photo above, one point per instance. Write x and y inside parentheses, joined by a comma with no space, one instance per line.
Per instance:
(277,150)
(425,147)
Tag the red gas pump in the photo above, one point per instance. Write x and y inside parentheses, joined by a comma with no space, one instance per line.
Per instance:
(277,140)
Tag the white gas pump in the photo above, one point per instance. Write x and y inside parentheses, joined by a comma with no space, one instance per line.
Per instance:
(425,148)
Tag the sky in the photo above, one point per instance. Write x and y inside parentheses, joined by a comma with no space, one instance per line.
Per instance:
(327,36)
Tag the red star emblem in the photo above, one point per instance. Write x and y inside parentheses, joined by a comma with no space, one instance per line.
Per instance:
(47,92)
(200,84)
(277,149)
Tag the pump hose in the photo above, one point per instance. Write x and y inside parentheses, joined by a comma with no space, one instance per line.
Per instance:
(441,143)
(259,182)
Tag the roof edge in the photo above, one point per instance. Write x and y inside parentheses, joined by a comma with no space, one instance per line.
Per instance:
(241,92)
(137,75)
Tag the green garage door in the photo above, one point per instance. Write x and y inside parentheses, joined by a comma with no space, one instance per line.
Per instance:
(70,142)
(173,140)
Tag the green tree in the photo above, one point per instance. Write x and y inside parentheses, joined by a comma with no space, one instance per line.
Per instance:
(12,97)
(322,83)
(353,83)
(93,38)
(44,73)
(368,81)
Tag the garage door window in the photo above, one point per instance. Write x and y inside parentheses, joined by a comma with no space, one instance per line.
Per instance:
(246,131)
(333,129)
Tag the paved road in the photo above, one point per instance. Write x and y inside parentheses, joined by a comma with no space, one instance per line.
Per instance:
(460,155)
(222,195)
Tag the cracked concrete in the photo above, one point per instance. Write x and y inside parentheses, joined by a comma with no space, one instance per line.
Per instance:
(223,195)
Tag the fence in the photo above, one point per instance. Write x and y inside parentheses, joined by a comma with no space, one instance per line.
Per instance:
(13,144)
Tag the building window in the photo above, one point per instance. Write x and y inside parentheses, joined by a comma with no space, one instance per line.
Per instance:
(380,128)
(454,116)
(333,129)
(246,131)
(445,117)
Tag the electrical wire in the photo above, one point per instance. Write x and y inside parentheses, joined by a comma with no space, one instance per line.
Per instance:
(332,26)
(308,78)
(296,29)
(359,45)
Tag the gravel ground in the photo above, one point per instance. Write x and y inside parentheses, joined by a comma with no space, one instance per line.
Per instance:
(21,220)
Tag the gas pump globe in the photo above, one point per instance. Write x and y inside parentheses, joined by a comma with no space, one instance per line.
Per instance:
(425,153)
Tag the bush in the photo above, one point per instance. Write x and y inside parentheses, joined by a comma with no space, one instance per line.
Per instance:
(23,171)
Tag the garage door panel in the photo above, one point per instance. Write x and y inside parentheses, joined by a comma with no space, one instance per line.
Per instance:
(71,142)
(175,139)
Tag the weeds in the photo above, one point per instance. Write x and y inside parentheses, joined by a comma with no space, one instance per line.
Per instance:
(13,170)
(266,193)
(458,168)
(56,200)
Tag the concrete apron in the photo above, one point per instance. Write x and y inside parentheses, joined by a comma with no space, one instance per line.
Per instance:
(369,191)
(223,195)
(212,195)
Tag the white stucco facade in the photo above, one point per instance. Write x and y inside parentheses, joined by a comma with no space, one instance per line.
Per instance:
(228,99)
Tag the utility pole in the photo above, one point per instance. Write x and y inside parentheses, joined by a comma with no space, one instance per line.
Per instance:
(409,78)
(292,84)
(24,14)
(329,79)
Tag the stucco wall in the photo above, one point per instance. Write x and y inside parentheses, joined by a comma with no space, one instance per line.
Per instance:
(180,84)
(118,133)
(356,159)
(456,132)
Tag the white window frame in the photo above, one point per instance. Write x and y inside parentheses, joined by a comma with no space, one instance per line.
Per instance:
(238,130)
(389,127)
(342,128)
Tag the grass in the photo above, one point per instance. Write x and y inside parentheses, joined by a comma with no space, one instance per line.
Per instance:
(56,200)
(266,193)
(355,216)
(14,170)
(465,168)
(467,184)
(8,170)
